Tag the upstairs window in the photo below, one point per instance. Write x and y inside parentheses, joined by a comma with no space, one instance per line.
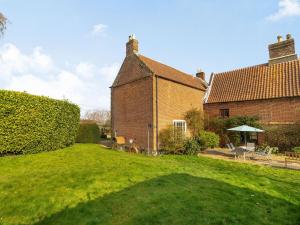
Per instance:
(224,113)
(179,128)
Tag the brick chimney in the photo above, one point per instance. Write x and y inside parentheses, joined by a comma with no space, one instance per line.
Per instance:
(283,50)
(132,46)
(200,74)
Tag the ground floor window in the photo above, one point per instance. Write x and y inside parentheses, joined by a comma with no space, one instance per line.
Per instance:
(224,113)
(179,128)
(250,137)
(253,136)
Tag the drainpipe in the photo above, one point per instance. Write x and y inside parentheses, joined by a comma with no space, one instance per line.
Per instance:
(156,103)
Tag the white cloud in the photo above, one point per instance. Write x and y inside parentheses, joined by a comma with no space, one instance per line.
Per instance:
(99,29)
(109,71)
(286,8)
(85,69)
(12,61)
(84,84)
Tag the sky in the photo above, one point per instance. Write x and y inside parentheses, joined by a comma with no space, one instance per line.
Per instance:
(72,49)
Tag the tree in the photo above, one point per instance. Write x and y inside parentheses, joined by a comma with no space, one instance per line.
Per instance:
(3,22)
(101,117)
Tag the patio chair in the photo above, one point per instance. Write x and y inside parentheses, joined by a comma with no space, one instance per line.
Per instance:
(236,150)
(265,154)
(229,147)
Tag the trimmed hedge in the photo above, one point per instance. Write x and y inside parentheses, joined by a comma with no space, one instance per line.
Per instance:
(88,133)
(31,124)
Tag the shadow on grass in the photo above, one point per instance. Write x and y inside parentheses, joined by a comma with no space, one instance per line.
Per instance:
(216,152)
(180,199)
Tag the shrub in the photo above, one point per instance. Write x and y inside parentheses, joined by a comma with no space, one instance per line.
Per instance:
(296,149)
(31,124)
(208,139)
(103,136)
(220,126)
(171,141)
(88,133)
(192,146)
(283,137)
(195,121)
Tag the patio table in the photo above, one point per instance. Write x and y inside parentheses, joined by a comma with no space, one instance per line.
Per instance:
(242,149)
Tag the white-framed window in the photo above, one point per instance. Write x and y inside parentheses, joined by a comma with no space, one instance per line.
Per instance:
(179,128)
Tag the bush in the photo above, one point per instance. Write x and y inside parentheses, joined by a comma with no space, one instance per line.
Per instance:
(192,146)
(296,149)
(31,124)
(103,136)
(284,137)
(208,139)
(170,141)
(220,126)
(88,133)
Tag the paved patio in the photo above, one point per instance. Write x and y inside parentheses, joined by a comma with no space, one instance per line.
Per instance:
(225,154)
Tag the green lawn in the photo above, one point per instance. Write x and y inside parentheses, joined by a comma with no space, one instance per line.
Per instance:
(86,184)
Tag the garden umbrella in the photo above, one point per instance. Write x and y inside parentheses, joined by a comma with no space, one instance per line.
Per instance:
(245,128)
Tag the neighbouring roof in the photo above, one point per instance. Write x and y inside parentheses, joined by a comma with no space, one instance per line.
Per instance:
(170,73)
(257,82)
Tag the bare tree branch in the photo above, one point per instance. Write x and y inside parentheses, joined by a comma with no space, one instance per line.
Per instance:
(101,117)
(3,22)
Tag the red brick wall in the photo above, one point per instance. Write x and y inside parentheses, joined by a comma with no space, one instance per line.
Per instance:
(174,100)
(131,101)
(132,69)
(272,111)
(132,111)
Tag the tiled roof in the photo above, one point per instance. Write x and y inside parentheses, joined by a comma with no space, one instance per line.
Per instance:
(170,73)
(257,82)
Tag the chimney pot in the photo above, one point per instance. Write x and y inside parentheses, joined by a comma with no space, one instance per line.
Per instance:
(279,38)
(288,36)
(131,37)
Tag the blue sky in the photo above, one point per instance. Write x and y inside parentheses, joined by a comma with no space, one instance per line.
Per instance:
(73,49)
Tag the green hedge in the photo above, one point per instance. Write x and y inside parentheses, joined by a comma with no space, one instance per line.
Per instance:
(209,139)
(31,124)
(296,149)
(88,133)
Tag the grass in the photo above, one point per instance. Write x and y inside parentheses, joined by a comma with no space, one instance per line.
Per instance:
(88,185)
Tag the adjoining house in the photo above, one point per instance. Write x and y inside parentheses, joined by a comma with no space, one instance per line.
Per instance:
(270,91)
(147,96)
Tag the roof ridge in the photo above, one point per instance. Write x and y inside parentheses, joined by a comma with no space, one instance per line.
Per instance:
(255,66)
(242,68)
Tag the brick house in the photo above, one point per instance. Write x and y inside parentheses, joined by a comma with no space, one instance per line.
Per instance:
(147,96)
(270,91)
